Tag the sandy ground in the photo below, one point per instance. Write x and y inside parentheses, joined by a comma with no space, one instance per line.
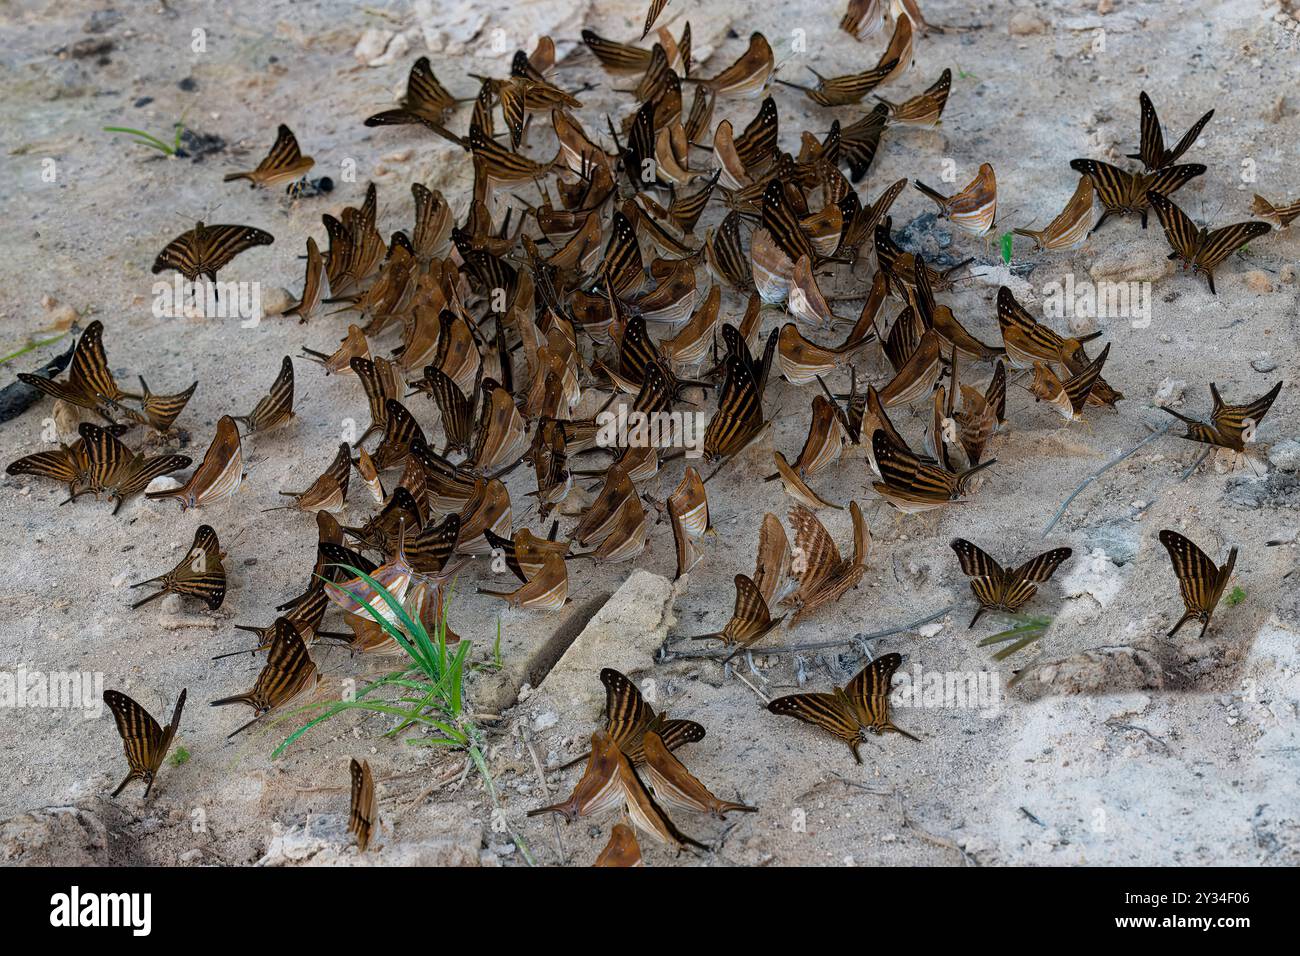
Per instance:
(1116,745)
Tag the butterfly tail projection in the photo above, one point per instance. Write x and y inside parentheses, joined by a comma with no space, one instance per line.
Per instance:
(978,614)
(572,763)
(122,786)
(152,597)
(1178,415)
(932,193)
(890,728)
(1189,616)
(964,478)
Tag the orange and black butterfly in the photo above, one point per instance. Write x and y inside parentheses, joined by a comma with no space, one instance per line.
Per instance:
(200,573)
(206,250)
(158,411)
(285,163)
(90,383)
(1152,150)
(276,406)
(1201,249)
(628,717)
(677,788)
(1200,581)
(848,712)
(146,744)
(426,101)
(288,672)
(362,815)
(1230,426)
(1004,589)
(622,849)
(750,619)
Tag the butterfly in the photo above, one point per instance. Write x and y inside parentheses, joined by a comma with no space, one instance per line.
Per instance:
(276,406)
(1068,397)
(217,477)
(146,744)
(972,209)
(1071,226)
(362,815)
(848,712)
(859,141)
(912,485)
(677,788)
(628,717)
(158,411)
(288,672)
(315,289)
(1282,215)
(114,470)
(1230,426)
(426,101)
(69,464)
(688,513)
(1123,193)
(610,781)
(1001,589)
(1202,249)
(546,590)
(1152,151)
(206,250)
(622,849)
(200,573)
(330,490)
(90,383)
(1200,582)
(619,58)
(925,109)
(750,619)
(739,417)
(823,575)
(845,90)
(748,74)
(285,163)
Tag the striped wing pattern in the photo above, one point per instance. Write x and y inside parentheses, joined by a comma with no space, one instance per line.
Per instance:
(277,405)
(1202,249)
(1200,582)
(362,815)
(146,744)
(206,250)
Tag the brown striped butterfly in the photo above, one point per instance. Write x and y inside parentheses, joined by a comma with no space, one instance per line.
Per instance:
(1280,215)
(849,712)
(1230,426)
(1200,582)
(146,744)
(276,406)
(1125,194)
(200,573)
(362,812)
(677,788)
(426,101)
(750,619)
(1201,249)
(824,577)
(329,491)
(628,717)
(90,383)
(114,470)
(289,671)
(973,208)
(1004,589)
(217,477)
(205,250)
(285,163)
(1152,151)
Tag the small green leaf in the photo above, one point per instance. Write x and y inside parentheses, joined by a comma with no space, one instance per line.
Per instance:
(1006,248)
(179,756)
(1235,597)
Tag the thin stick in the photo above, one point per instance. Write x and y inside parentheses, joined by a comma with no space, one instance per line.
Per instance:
(761,696)
(1196,464)
(666,655)
(546,790)
(1101,471)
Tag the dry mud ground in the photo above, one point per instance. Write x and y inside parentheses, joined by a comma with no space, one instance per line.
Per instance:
(1116,746)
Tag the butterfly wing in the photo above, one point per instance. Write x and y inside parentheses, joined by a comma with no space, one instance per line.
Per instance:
(141,736)
(1197,575)
(1021,584)
(869,689)
(831,712)
(217,245)
(1221,243)
(361,809)
(626,712)
(816,557)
